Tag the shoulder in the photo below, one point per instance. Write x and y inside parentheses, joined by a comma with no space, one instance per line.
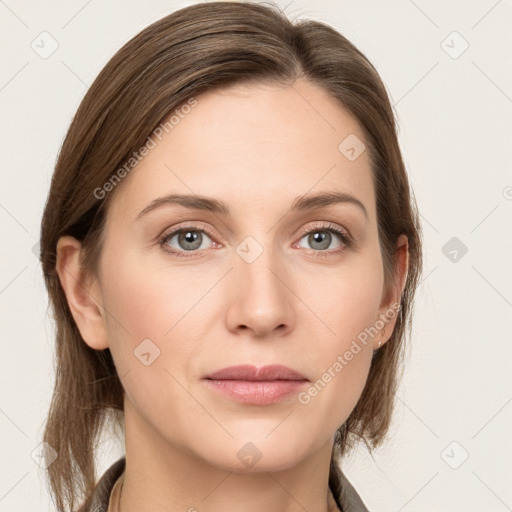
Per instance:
(98,501)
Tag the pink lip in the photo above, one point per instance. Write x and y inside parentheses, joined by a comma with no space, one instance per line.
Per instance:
(250,372)
(248,384)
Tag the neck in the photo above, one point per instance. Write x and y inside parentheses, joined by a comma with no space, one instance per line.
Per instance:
(162,476)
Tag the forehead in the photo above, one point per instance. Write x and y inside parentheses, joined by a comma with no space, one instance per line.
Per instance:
(253,146)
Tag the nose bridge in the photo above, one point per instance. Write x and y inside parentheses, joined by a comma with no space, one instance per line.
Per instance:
(257,265)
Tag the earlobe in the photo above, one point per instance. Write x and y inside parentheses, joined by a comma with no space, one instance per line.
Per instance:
(82,294)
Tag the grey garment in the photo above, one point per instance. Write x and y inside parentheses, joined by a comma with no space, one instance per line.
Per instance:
(344,493)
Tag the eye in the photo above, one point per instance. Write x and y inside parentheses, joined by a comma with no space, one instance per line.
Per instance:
(189,239)
(321,237)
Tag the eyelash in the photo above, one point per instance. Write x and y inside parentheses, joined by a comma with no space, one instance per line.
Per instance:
(329,227)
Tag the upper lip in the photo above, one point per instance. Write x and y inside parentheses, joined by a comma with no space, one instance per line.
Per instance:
(252,373)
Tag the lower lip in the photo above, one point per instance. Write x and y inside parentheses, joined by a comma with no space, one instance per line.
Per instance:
(256,392)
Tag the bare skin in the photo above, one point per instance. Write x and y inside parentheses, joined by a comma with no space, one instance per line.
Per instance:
(257,148)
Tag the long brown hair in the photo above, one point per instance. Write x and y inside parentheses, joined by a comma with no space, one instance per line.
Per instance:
(195,49)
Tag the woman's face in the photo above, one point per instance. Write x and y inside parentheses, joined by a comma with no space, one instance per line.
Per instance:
(261,281)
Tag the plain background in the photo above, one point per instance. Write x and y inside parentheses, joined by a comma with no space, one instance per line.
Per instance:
(449,446)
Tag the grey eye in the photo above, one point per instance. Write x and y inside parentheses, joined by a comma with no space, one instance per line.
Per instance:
(320,239)
(187,239)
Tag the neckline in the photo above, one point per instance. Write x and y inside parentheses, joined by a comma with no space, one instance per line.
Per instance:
(340,489)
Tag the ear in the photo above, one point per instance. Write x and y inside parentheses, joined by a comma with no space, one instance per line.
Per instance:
(82,292)
(388,310)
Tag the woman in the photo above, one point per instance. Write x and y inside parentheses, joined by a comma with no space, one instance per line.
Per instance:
(231,250)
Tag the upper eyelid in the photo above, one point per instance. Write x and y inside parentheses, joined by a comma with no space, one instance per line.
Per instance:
(325,225)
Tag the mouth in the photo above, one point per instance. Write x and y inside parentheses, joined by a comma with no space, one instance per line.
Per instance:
(257,386)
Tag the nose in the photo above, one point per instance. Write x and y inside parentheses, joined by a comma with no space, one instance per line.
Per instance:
(260,298)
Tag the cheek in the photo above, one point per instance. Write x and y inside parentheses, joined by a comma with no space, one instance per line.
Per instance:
(150,340)
(347,306)
(344,300)
(152,324)
(342,363)
(149,303)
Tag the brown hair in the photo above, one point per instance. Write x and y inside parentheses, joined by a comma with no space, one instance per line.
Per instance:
(195,49)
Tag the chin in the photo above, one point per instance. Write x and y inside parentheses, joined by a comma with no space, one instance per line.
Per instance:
(255,454)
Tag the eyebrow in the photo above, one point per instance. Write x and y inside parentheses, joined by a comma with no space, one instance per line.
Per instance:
(301,203)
